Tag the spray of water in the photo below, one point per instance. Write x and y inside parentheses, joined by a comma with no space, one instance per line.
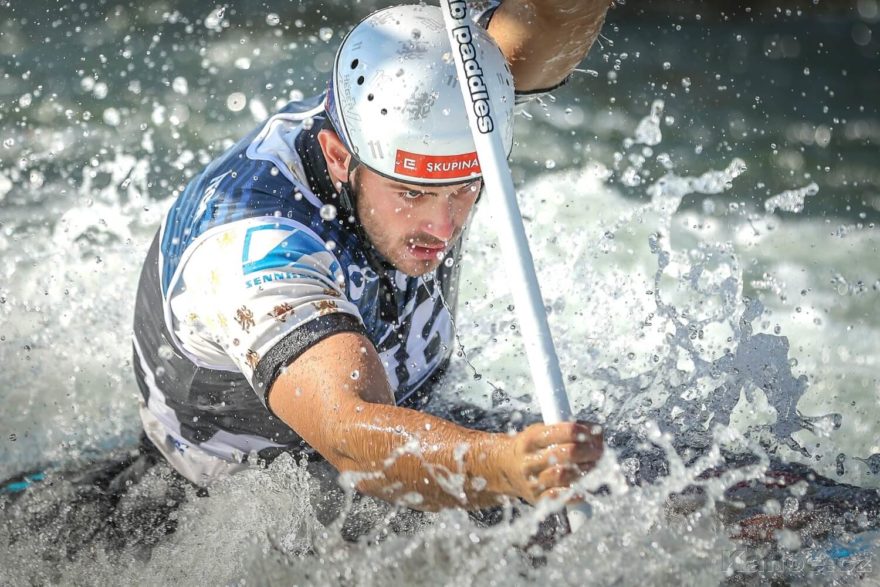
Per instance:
(657,338)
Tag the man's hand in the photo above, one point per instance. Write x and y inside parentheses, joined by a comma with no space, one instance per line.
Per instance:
(545,460)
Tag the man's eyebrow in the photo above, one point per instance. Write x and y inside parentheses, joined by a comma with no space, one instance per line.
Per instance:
(407,188)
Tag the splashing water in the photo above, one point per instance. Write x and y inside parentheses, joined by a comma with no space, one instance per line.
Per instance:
(680,328)
(791,200)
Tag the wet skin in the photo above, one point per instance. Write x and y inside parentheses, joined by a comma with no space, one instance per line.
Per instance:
(414,458)
(405,455)
(413,226)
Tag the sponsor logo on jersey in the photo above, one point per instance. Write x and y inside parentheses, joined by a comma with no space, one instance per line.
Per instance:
(276,276)
(436,166)
(281,252)
(210,190)
(245,318)
(252,359)
(281,312)
(325,307)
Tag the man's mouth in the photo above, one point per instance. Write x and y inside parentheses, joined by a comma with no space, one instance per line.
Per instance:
(427,252)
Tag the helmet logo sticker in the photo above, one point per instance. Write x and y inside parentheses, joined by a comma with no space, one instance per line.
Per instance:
(436,166)
(419,104)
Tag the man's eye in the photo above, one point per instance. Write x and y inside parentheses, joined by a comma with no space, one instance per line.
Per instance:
(470,189)
(412,194)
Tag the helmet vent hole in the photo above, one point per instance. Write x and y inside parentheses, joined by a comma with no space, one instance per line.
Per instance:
(384,111)
(354,63)
(361,80)
(370,97)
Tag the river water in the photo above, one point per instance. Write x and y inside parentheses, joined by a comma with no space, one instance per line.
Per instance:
(702,200)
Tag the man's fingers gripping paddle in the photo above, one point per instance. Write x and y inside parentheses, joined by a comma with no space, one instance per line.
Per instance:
(555,456)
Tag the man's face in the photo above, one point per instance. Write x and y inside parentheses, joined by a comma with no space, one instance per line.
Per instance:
(413,226)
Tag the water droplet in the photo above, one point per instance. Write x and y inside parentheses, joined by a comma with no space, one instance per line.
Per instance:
(236,101)
(325,34)
(449,262)
(328,211)
(355,375)
(180,86)
(165,352)
(13,437)
(273,19)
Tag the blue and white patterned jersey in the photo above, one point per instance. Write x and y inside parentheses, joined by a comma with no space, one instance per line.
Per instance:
(251,267)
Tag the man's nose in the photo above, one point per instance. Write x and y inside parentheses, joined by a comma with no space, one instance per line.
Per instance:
(440,222)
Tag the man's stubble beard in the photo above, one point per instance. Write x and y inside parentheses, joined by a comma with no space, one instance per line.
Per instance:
(394,252)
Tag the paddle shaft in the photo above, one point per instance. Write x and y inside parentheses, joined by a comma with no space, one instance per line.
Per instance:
(498,183)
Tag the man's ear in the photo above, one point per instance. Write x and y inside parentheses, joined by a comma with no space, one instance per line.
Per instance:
(336,155)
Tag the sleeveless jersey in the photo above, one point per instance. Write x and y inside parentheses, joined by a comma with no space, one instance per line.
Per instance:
(253,264)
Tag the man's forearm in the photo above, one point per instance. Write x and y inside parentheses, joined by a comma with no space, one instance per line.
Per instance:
(422,461)
(414,458)
(545,40)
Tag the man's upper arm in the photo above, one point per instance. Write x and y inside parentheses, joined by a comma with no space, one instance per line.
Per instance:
(315,393)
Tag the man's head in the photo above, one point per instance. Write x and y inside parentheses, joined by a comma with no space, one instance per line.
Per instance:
(402,137)
(412,226)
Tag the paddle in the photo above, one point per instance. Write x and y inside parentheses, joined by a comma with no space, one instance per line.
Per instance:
(498,183)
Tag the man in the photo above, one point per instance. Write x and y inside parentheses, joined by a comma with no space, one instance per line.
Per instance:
(299,294)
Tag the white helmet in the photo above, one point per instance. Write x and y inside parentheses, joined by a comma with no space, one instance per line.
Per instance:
(394,97)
